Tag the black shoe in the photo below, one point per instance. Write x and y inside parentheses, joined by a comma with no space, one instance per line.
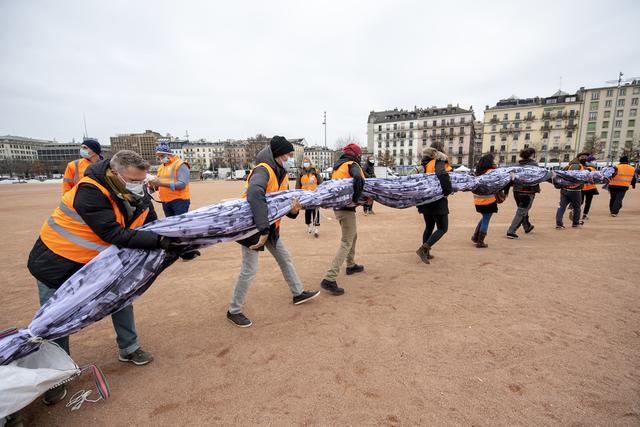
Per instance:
(54,395)
(239,320)
(580,224)
(139,357)
(355,268)
(529,230)
(512,236)
(305,296)
(331,287)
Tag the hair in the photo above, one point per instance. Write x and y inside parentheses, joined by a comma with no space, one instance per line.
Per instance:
(527,153)
(124,159)
(485,162)
(438,145)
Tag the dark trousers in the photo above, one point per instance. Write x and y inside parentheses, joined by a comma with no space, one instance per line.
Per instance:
(573,198)
(524,201)
(586,200)
(176,207)
(312,215)
(430,222)
(368,208)
(615,202)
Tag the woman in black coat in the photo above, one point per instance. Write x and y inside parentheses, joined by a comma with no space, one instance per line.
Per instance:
(486,205)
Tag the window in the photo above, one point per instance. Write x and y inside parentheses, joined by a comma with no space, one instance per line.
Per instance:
(503,138)
(619,113)
(395,126)
(591,126)
(634,101)
(379,128)
(410,125)
(566,158)
(411,133)
(513,159)
(633,112)
(607,103)
(495,116)
(503,147)
(492,149)
(527,136)
(379,137)
(459,150)
(593,115)
(569,134)
(379,144)
(501,159)
(603,134)
(618,124)
(506,116)
(636,90)
(493,138)
(607,114)
(493,128)
(516,125)
(623,91)
(460,140)
(632,123)
(516,136)
(595,95)
(621,102)
(609,92)
(594,106)
(452,121)
(461,131)
(629,134)
(504,126)
(443,122)
(529,115)
(616,134)
(461,120)
(435,123)
(517,116)
(545,135)
(605,124)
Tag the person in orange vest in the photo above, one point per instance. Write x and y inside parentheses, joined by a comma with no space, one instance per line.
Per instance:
(486,205)
(588,190)
(105,208)
(571,195)
(348,166)
(624,177)
(269,176)
(434,161)
(308,179)
(172,182)
(90,151)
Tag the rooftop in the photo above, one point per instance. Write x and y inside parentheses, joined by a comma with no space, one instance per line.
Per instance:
(417,113)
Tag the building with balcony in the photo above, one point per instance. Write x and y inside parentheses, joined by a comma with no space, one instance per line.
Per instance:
(322,157)
(142,143)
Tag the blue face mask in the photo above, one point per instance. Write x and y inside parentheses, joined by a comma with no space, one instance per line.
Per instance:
(84,153)
(306,164)
(289,163)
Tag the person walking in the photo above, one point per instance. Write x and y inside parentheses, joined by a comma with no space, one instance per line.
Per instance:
(486,205)
(348,166)
(308,179)
(172,182)
(269,176)
(623,178)
(588,190)
(524,196)
(435,214)
(90,151)
(369,172)
(571,195)
(105,208)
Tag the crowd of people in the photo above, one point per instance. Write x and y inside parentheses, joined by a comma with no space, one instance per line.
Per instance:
(104,202)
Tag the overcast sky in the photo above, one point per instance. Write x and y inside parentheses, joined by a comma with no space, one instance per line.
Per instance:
(221,69)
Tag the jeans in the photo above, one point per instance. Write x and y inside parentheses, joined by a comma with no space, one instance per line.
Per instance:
(615,202)
(428,236)
(484,222)
(249,269)
(524,201)
(176,207)
(347,249)
(123,323)
(569,197)
(312,215)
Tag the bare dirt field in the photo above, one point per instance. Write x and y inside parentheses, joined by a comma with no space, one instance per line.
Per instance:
(540,331)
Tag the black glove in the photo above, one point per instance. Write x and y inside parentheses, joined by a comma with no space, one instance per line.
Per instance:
(189,254)
(168,243)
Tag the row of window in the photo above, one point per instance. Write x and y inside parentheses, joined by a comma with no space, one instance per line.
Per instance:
(621,103)
(443,122)
(591,126)
(623,91)
(593,115)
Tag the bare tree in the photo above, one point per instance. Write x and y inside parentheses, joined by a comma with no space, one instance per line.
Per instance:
(386,159)
(632,149)
(255,145)
(346,140)
(594,145)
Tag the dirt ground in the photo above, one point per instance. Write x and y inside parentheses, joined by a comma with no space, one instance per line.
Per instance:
(540,331)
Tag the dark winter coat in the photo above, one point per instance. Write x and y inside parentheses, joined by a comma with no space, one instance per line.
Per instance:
(369,170)
(523,188)
(441,206)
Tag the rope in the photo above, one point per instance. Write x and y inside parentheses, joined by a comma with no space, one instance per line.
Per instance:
(81,396)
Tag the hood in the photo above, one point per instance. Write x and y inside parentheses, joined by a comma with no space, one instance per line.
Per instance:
(266,156)
(528,162)
(345,158)
(575,161)
(431,153)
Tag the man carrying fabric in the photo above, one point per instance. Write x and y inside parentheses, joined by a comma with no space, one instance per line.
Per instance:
(524,196)
(89,153)
(105,208)
(348,166)
(172,182)
(269,176)
(623,178)
(571,195)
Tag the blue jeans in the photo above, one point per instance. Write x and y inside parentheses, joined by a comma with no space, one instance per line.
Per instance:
(484,222)
(123,323)
(176,207)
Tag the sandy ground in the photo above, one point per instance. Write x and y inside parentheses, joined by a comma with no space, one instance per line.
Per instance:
(540,331)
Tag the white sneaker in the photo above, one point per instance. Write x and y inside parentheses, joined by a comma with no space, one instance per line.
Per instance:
(310,229)
(316,232)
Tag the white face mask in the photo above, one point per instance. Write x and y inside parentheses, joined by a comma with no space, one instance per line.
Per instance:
(306,164)
(136,187)
(165,160)
(289,163)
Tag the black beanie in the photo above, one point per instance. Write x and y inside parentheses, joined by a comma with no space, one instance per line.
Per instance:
(94,145)
(279,146)
(624,159)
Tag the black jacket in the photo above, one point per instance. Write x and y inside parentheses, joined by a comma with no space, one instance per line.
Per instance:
(524,188)
(355,171)
(441,206)
(369,170)
(256,196)
(96,211)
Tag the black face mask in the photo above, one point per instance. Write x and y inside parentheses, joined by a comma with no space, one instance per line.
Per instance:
(583,162)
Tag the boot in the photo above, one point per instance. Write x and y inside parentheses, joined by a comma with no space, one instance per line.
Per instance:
(423,253)
(481,243)
(474,238)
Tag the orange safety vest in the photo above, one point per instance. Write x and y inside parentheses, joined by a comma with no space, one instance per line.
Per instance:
(343,171)
(578,185)
(590,186)
(169,174)
(66,233)
(481,200)
(272,185)
(309,181)
(624,176)
(73,173)
(431,167)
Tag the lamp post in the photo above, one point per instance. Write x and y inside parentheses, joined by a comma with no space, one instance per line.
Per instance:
(324,122)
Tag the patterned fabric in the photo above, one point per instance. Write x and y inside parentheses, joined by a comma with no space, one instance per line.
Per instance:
(117,276)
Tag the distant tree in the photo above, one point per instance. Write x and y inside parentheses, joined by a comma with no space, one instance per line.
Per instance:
(386,159)
(594,145)
(346,140)
(255,145)
(632,149)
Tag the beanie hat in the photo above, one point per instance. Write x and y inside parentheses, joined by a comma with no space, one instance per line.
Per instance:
(94,145)
(279,146)
(591,158)
(163,149)
(353,149)
(624,159)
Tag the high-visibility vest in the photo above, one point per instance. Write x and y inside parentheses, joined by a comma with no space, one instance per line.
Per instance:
(169,174)
(343,171)
(272,185)
(623,177)
(431,167)
(74,173)
(309,181)
(589,186)
(577,186)
(66,234)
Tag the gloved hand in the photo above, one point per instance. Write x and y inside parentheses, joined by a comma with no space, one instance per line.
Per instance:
(189,254)
(169,243)
(295,207)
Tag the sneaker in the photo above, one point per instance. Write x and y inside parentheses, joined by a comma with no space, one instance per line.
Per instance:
(560,227)
(305,296)
(239,320)
(580,224)
(614,215)
(139,357)
(54,395)
(316,232)
(309,229)
(331,287)
(585,217)
(355,268)
(512,236)
(530,229)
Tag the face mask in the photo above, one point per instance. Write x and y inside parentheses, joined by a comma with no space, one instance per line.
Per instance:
(165,160)
(306,164)
(289,163)
(136,187)
(84,153)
